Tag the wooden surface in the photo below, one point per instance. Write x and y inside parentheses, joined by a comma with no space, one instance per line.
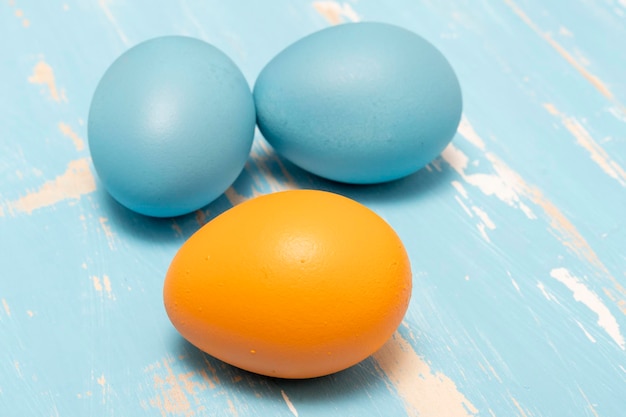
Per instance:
(517,233)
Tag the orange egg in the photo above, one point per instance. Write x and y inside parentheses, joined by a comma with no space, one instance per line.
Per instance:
(295,284)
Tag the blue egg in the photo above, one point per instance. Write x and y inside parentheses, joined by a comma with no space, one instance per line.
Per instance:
(171,125)
(359,103)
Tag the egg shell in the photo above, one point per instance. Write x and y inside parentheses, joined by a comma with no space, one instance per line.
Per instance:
(170,126)
(359,103)
(295,284)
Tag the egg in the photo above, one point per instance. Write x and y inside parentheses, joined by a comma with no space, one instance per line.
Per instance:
(170,126)
(294,284)
(359,103)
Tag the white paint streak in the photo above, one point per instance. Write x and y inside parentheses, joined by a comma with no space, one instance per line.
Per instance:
(589,336)
(509,187)
(592,301)
(104,5)
(6,307)
(335,12)
(484,217)
(545,292)
(515,284)
(289,403)
(192,18)
(563,31)
(591,407)
(459,188)
(501,184)
(586,141)
(467,131)
(75,182)
(569,58)
(517,405)
(425,393)
(465,208)
(483,232)
(617,113)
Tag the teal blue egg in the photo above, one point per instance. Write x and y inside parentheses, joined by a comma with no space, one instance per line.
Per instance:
(359,102)
(170,126)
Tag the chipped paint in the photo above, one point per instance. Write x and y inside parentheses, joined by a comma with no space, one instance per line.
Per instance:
(587,334)
(589,405)
(508,186)
(97,285)
(106,282)
(289,403)
(499,185)
(74,183)
(108,233)
(467,130)
(101,380)
(172,398)
(335,12)
(103,286)
(463,206)
(593,302)
(485,222)
(485,359)
(184,394)
(522,412)
(460,189)
(545,293)
(43,74)
(104,5)
(67,131)
(234,197)
(586,141)
(425,393)
(201,217)
(6,307)
(591,78)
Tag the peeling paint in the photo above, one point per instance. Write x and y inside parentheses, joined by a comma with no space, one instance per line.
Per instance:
(593,302)
(289,403)
(586,141)
(425,393)
(67,131)
(591,78)
(104,5)
(43,74)
(335,12)
(74,183)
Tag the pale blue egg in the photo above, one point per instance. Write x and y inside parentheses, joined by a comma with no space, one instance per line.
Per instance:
(171,125)
(359,103)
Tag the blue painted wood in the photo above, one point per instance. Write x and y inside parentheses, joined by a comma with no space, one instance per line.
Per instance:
(516,233)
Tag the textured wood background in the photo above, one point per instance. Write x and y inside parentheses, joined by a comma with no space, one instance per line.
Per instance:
(517,233)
